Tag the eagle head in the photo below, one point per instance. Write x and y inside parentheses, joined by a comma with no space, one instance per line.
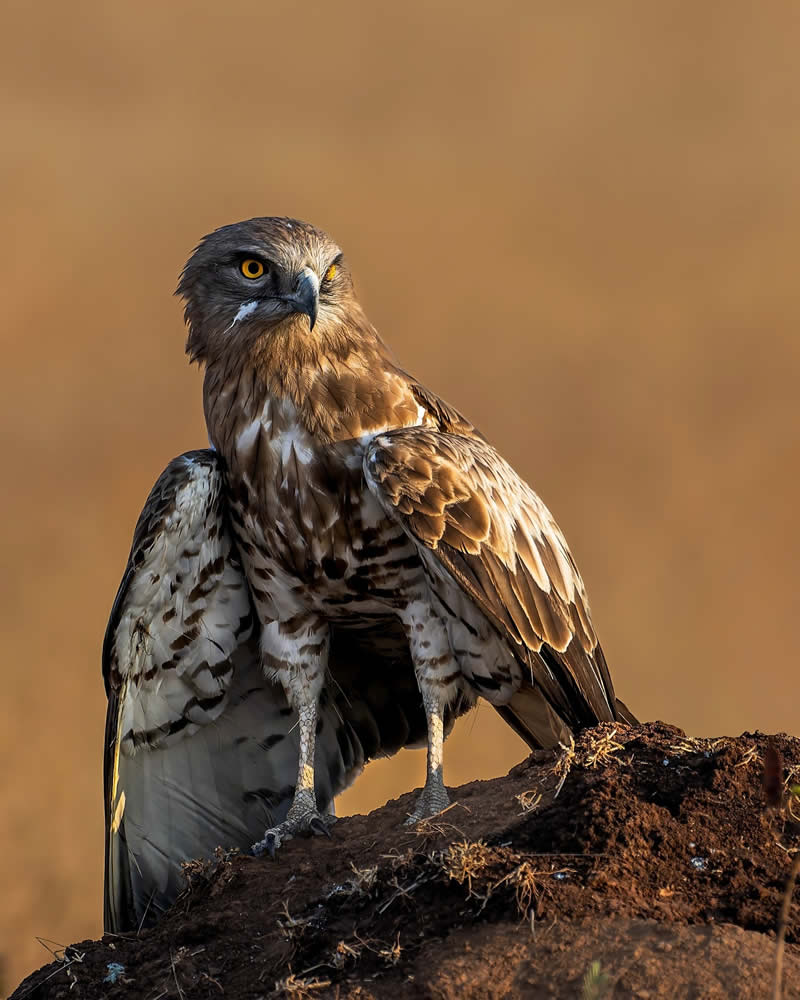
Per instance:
(248,279)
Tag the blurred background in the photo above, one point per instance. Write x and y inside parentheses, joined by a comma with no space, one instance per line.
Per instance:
(577,222)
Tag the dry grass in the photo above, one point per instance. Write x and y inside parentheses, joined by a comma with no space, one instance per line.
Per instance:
(350,952)
(529,801)
(527,882)
(563,765)
(292,927)
(601,749)
(466,860)
(697,744)
(392,953)
(364,878)
(300,989)
(596,749)
(347,951)
(747,756)
(436,826)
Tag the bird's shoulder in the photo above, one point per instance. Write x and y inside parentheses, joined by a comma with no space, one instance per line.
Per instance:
(440,414)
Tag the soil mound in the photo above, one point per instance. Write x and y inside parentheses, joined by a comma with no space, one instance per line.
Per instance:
(637,863)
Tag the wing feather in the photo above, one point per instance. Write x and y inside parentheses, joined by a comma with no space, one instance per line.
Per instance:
(470,514)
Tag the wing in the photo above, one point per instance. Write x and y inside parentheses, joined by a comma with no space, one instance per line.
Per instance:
(187,710)
(481,529)
(200,749)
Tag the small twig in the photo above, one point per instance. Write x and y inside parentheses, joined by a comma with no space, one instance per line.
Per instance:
(175,975)
(403,892)
(296,986)
(59,954)
(146,911)
(747,756)
(392,954)
(432,826)
(564,764)
(529,801)
(210,979)
(65,959)
(36,986)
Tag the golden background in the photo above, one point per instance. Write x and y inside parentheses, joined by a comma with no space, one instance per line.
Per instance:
(577,222)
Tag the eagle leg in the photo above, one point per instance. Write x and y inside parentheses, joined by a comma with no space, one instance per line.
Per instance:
(433,797)
(300,670)
(303,816)
(438,676)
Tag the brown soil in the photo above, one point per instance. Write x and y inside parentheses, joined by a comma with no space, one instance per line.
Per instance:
(657,871)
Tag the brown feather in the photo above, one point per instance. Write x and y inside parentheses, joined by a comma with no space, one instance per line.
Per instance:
(504,572)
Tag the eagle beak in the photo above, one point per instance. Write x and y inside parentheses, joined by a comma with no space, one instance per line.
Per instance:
(306,295)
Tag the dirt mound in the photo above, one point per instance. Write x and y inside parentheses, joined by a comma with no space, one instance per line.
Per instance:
(638,863)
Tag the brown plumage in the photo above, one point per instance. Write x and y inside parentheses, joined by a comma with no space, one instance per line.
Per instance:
(360,502)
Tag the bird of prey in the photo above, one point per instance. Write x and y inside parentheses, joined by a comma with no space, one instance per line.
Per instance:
(360,502)
(339,576)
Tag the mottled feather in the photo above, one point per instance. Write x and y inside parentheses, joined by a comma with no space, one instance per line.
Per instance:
(200,748)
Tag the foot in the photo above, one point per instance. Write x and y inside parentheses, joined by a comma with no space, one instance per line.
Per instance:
(432,800)
(297,823)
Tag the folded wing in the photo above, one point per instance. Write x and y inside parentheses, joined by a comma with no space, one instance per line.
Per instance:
(482,531)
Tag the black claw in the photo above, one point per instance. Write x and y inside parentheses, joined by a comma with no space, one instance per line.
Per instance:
(319,827)
(266,846)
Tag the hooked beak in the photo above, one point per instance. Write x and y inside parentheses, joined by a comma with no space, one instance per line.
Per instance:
(305,297)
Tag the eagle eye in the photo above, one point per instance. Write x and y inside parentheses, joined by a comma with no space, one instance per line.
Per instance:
(251,268)
(330,274)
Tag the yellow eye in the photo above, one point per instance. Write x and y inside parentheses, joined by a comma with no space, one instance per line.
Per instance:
(251,268)
(330,274)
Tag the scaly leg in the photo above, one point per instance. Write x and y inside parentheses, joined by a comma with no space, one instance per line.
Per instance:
(433,797)
(296,654)
(438,676)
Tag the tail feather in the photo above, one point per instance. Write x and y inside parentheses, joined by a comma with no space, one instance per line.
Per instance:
(624,714)
(533,719)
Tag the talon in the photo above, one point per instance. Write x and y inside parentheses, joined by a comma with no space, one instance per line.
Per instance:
(297,824)
(319,827)
(269,845)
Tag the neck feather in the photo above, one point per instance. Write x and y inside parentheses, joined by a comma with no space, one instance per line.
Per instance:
(341,381)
